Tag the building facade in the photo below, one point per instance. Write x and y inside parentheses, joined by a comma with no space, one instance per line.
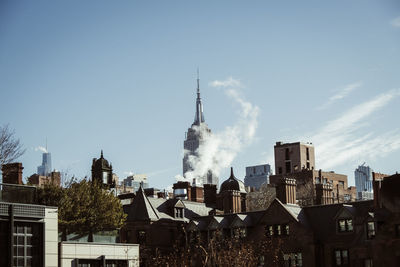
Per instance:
(293,157)
(257,175)
(363,179)
(297,161)
(194,138)
(45,168)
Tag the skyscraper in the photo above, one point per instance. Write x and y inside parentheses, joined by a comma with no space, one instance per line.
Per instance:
(195,135)
(45,168)
(363,179)
(257,175)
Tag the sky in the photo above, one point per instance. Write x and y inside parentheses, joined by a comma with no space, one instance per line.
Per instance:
(121,77)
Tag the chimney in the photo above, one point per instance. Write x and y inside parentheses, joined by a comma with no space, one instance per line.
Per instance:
(197,194)
(286,191)
(210,195)
(323,194)
(12,173)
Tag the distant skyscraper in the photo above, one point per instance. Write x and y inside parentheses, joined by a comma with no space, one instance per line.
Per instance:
(194,138)
(257,175)
(363,179)
(45,168)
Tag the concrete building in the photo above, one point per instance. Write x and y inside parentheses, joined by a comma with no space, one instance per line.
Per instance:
(45,168)
(363,179)
(194,137)
(135,180)
(293,157)
(257,175)
(98,254)
(28,232)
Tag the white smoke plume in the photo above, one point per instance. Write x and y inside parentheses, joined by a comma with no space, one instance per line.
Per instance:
(42,149)
(218,150)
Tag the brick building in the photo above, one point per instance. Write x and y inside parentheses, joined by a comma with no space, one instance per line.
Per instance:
(362,233)
(297,161)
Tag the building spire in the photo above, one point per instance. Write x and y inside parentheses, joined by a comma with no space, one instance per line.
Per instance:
(199,117)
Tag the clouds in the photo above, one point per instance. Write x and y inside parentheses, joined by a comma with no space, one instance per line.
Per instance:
(396,22)
(347,137)
(229,82)
(341,94)
(219,149)
(42,149)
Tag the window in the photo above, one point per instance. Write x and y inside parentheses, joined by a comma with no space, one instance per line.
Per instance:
(269,230)
(277,229)
(286,229)
(23,247)
(397,226)
(292,260)
(280,170)
(178,212)
(308,153)
(288,167)
(345,225)
(370,230)
(368,263)
(341,257)
(341,183)
(308,165)
(243,232)
(287,154)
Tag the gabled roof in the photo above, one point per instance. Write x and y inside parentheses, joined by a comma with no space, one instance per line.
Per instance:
(141,209)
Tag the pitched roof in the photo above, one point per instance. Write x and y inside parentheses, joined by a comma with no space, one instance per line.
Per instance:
(141,209)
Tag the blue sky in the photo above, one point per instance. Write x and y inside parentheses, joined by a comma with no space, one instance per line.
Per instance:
(121,76)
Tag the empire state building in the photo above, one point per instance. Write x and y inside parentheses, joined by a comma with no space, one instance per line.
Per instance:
(195,136)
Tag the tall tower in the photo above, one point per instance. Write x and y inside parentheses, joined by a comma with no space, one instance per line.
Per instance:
(195,135)
(45,168)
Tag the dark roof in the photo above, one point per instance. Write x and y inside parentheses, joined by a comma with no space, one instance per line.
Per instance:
(232,183)
(153,209)
(141,208)
(101,163)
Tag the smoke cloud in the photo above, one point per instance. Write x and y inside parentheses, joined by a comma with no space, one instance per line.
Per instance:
(219,149)
(42,149)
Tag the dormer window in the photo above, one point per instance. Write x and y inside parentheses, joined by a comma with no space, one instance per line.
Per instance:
(370,230)
(345,225)
(178,212)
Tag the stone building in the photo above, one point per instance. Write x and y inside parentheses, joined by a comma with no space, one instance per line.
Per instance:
(194,137)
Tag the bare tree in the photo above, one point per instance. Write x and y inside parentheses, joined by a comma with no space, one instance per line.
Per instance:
(10,147)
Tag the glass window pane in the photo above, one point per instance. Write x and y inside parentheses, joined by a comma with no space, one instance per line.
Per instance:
(28,229)
(349,225)
(20,229)
(29,251)
(28,262)
(20,251)
(20,240)
(20,262)
(29,240)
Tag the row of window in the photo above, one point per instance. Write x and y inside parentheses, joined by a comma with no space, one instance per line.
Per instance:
(277,230)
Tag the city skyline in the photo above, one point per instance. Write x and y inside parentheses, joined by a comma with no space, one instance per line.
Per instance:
(122,78)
